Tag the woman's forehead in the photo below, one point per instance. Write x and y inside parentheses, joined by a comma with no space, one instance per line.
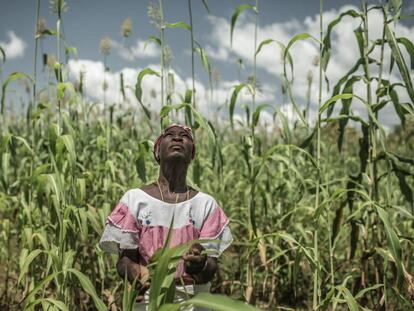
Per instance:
(175,129)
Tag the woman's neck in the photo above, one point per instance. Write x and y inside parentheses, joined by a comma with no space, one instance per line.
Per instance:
(173,175)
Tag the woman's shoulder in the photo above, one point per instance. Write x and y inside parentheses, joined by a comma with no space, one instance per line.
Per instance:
(132,195)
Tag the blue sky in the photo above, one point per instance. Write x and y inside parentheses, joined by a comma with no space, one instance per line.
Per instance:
(86,22)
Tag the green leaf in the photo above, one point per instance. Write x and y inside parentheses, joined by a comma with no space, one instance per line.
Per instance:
(296,38)
(38,286)
(236,14)
(179,24)
(3,54)
(326,51)
(332,101)
(346,104)
(350,300)
(218,303)
(154,39)
(89,288)
(25,143)
(396,53)
(256,114)
(234,96)
(394,245)
(24,266)
(170,307)
(67,142)
(409,46)
(204,61)
(138,87)
(337,87)
(361,293)
(262,44)
(62,87)
(48,301)
(206,6)
(13,76)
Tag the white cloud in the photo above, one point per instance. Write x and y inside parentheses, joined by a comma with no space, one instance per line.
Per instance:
(139,50)
(94,76)
(345,50)
(14,47)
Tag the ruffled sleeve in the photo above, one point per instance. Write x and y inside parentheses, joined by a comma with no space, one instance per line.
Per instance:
(121,229)
(216,227)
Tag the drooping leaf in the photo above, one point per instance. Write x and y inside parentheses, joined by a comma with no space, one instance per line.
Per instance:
(256,113)
(346,104)
(234,96)
(236,14)
(24,266)
(154,39)
(88,288)
(13,76)
(206,6)
(3,54)
(399,59)
(327,39)
(296,38)
(409,46)
(138,88)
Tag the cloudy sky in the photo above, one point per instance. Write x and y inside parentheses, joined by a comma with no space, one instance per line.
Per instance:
(85,23)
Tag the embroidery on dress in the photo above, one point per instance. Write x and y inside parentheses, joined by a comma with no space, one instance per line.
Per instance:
(190,216)
(147,217)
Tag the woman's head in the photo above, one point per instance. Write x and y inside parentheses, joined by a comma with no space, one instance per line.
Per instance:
(176,143)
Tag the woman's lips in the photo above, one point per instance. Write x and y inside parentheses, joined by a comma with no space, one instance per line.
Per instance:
(176,147)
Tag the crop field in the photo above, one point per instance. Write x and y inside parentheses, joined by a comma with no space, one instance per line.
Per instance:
(321,204)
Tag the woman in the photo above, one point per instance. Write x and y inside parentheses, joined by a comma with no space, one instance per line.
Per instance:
(139,224)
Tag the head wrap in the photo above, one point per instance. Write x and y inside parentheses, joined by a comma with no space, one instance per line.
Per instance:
(157,143)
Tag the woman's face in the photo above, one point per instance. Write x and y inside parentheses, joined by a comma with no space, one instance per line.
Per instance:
(176,144)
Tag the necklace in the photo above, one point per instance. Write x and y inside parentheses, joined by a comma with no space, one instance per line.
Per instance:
(177,195)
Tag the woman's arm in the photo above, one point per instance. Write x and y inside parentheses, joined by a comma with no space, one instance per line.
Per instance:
(128,264)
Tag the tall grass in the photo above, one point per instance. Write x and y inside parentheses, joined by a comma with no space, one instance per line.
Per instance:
(316,226)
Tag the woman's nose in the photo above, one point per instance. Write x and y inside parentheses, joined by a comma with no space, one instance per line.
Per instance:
(177,138)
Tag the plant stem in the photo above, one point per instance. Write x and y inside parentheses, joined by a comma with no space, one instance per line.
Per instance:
(316,277)
(252,232)
(35,57)
(162,51)
(192,53)
(60,70)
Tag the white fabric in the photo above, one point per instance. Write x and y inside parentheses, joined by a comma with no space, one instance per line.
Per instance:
(181,293)
(217,249)
(114,238)
(145,207)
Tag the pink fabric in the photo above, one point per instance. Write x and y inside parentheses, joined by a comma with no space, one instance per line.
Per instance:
(153,237)
(214,224)
(122,218)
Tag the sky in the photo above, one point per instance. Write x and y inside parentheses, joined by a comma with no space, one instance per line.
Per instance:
(85,23)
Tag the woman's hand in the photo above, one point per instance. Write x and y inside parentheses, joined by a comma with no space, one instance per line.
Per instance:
(143,283)
(194,261)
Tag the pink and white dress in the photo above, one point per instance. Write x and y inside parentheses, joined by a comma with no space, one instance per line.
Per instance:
(140,221)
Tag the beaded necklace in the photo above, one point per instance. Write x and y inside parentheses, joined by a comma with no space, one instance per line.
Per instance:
(177,195)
